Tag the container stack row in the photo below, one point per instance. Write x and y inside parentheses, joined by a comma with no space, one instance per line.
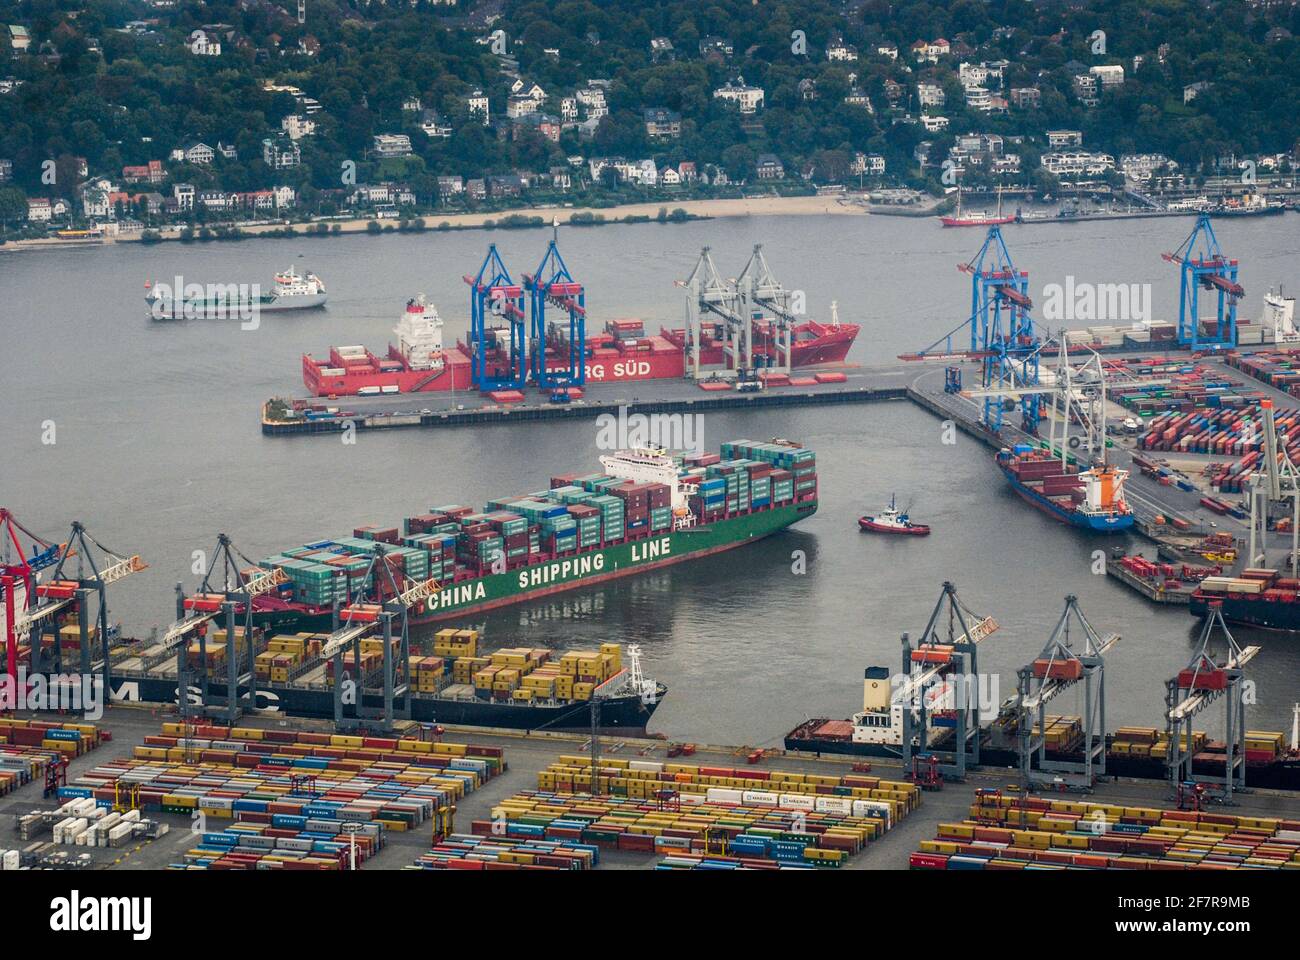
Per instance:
(1021,833)
(767,835)
(463,851)
(285,842)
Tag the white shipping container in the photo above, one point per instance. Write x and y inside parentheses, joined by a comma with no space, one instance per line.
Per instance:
(840,805)
(873,808)
(390,388)
(652,765)
(119,834)
(333,371)
(9,860)
(759,798)
(723,795)
(352,350)
(798,801)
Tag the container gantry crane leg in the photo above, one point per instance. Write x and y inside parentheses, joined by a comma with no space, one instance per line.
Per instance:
(494,294)
(1202,265)
(709,295)
(950,672)
(1057,668)
(552,283)
(760,290)
(1205,679)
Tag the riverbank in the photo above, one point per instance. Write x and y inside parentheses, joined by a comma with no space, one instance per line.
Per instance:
(587,216)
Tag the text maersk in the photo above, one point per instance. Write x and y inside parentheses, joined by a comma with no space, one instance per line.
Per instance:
(557,571)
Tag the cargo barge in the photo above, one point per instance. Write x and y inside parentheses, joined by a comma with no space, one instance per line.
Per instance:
(645,511)
(1130,752)
(1258,597)
(622,352)
(1091,500)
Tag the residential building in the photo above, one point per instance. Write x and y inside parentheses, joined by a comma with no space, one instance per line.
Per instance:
(6,170)
(281,153)
(433,125)
(449,187)
(20,40)
(1192,90)
(201,45)
(887,50)
(152,172)
(1026,98)
(930,52)
(1142,166)
(297,127)
(39,209)
(662,123)
(183,194)
(929,95)
(838,50)
(197,153)
(94,198)
(477,103)
(1110,75)
(934,124)
(519,105)
(661,49)
(1067,163)
(529,89)
(1085,88)
(715,46)
(769,167)
(746,98)
(391,145)
(1064,138)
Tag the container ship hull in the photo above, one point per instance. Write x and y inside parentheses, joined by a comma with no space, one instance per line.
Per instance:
(1283,774)
(627,713)
(1255,612)
(600,566)
(1101,522)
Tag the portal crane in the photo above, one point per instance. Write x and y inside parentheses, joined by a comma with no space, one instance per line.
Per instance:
(1270,489)
(227,597)
(18,570)
(493,293)
(359,621)
(942,678)
(1202,265)
(708,294)
(552,284)
(761,291)
(1205,679)
(1002,335)
(1058,668)
(65,592)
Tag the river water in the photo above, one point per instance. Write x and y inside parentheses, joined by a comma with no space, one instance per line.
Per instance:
(157,449)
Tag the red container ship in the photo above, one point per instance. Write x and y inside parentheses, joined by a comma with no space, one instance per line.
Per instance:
(418,362)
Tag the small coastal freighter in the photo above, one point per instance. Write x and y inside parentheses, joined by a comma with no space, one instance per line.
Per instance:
(176,300)
(1091,499)
(893,520)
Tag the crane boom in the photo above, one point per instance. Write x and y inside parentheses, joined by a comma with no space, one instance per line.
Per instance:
(917,681)
(1192,705)
(1051,689)
(258,585)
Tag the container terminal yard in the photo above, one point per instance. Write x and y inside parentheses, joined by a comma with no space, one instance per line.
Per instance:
(320,729)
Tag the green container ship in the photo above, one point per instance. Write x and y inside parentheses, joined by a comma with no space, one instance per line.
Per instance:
(646,510)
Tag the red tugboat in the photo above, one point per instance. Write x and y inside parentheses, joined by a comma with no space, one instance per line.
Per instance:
(891,520)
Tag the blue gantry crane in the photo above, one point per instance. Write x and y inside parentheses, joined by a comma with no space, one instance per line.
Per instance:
(1002,331)
(494,366)
(553,284)
(1202,265)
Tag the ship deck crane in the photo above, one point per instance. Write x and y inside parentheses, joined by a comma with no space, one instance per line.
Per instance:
(494,294)
(942,677)
(1204,680)
(760,290)
(1056,669)
(553,284)
(358,622)
(708,294)
(1202,266)
(226,598)
(67,591)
